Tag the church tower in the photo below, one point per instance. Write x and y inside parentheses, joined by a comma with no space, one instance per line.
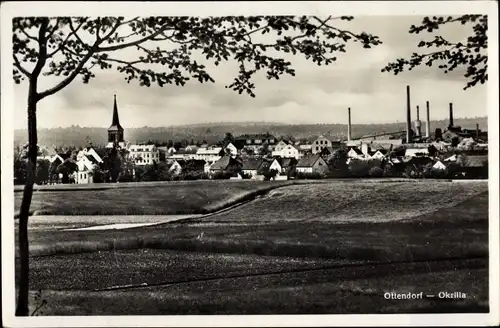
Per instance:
(115,131)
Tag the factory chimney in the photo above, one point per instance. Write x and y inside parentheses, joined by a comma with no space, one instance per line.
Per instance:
(418,124)
(349,124)
(477,131)
(428,125)
(451,116)
(408,115)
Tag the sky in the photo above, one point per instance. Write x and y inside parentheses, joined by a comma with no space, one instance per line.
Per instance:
(315,95)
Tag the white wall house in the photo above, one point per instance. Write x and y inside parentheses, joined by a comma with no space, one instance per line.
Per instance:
(439,166)
(231,149)
(175,168)
(144,154)
(280,145)
(378,155)
(355,153)
(208,154)
(89,152)
(312,164)
(319,144)
(288,151)
(84,174)
(275,165)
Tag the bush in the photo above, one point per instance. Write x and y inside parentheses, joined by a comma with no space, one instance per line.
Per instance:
(193,175)
(224,175)
(314,175)
(376,172)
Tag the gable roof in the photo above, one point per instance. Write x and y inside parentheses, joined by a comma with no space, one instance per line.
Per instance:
(309,161)
(252,163)
(475,160)
(357,150)
(102,152)
(287,162)
(224,162)
(92,159)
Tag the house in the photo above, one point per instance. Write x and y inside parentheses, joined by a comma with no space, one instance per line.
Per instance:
(191,148)
(355,153)
(475,166)
(323,142)
(452,158)
(179,166)
(144,154)
(254,166)
(84,173)
(379,154)
(276,165)
(467,144)
(285,165)
(327,152)
(440,165)
(90,153)
(412,152)
(225,164)
(288,151)
(209,154)
(312,164)
(280,145)
(231,149)
(256,141)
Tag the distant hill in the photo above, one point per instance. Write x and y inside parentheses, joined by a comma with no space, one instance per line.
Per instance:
(213,132)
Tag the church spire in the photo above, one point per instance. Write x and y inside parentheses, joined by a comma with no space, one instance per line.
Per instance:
(116,120)
(115,131)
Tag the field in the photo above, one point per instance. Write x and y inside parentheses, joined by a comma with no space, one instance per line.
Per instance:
(332,247)
(180,197)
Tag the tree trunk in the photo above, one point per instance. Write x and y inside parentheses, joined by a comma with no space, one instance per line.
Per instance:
(22,300)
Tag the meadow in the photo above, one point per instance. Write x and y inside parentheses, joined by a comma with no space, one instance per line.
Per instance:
(331,247)
(160,198)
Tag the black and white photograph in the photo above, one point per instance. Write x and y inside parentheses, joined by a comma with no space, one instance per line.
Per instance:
(245,163)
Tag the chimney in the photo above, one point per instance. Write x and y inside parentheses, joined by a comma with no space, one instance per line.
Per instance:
(418,123)
(349,124)
(451,116)
(477,131)
(408,115)
(428,125)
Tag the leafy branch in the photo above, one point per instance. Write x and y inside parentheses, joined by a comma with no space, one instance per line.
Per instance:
(470,55)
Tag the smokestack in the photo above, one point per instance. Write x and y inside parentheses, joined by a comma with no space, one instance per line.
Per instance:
(428,125)
(418,124)
(349,124)
(451,115)
(477,131)
(408,115)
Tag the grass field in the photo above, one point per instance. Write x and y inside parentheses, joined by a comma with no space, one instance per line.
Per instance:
(180,197)
(351,240)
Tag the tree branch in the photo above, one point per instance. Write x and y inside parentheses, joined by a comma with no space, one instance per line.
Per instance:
(56,25)
(69,79)
(74,31)
(17,64)
(42,53)
(26,34)
(63,44)
(133,43)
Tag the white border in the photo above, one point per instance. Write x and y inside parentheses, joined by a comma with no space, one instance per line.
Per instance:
(12,9)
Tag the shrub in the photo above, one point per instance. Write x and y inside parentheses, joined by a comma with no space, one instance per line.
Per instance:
(223,175)
(304,175)
(376,172)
